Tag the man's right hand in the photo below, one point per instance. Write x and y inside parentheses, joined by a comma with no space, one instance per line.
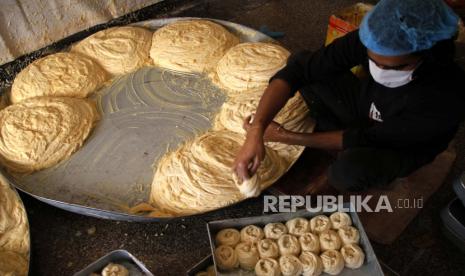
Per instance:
(250,155)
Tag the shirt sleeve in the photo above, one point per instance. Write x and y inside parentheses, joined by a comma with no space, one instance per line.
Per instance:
(338,57)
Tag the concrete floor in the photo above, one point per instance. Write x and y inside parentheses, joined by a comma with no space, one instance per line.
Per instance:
(63,242)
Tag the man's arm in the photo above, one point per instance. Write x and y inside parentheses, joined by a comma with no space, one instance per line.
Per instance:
(331,140)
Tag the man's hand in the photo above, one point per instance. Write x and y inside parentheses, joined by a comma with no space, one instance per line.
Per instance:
(250,155)
(273,133)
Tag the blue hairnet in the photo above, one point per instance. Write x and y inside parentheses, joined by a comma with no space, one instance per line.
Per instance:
(399,27)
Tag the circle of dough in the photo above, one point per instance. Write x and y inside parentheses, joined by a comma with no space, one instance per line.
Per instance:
(250,65)
(267,267)
(190,45)
(274,230)
(226,257)
(251,234)
(311,264)
(58,75)
(119,50)
(268,248)
(115,270)
(228,236)
(340,219)
(320,224)
(349,234)
(39,132)
(247,254)
(290,265)
(298,226)
(288,245)
(353,256)
(333,262)
(197,177)
(330,240)
(310,242)
(13,263)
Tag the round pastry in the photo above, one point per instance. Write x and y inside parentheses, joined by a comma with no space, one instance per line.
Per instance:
(247,254)
(190,45)
(333,263)
(311,264)
(211,271)
(274,230)
(229,236)
(290,265)
(353,256)
(115,270)
(267,267)
(320,224)
(250,65)
(58,75)
(288,245)
(226,258)
(251,234)
(310,242)
(298,226)
(330,240)
(40,132)
(340,219)
(119,50)
(349,234)
(268,248)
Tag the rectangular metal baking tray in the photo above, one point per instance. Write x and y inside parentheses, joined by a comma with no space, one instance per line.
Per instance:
(122,257)
(371,267)
(201,266)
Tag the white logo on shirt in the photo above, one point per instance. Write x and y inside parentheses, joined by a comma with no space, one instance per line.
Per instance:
(374,113)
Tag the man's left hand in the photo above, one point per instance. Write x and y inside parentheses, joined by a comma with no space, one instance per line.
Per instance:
(273,133)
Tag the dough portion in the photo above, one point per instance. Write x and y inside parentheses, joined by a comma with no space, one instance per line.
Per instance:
(226,257)
(190,45)
(13,264)
(288,245)
(247,254)
(275,230)
(340,219)
(251,234)
(250,65)
(330,240)
(209,272)
(349,235)
(197,177)
(353,256)
(40,132)
(58,75)
(268,248)
(333,263)
(320,224)
(119,50)
(267,267)
(228,236)
(298,226)
(115,270)
(311,264)
(290,265)
(310,242)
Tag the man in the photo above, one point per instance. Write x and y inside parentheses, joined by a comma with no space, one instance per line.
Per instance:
(386,126)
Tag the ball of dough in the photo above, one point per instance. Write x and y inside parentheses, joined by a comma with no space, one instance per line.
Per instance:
(267,267)
(349,234)
(229,236)
(226,257)
(330,240)
(250,65)
(40,132)
(247,254)
(290,265)
(311,264)
(119,50)
(268,248)
(275,230)
(353,256)
(310,242)
(58,75)
(320,224)
(251,234)
(298,226)
(340,219)
(333,263)
(115,270)
(288,245)
(190,45)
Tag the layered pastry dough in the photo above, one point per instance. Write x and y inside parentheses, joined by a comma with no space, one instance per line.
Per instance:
(226,257)
(275,230)
(290,265)
(119,50)
(298,226)
(319,224)
(228,236)
(247,254)
(268,248)
(39,132)
(250,65)
(190,45)
(288,245)
(251,234)
(115,270)
(340,219)
(333,263)
(310,242)
(58,75)
(349,234)
(311,264)
(197,177)
(330,240)
(353,256)
(13,264)
(267,267)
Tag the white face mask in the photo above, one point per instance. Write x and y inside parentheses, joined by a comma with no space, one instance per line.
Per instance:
(390,78)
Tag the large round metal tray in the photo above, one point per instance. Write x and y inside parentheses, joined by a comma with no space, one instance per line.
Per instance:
(144,114)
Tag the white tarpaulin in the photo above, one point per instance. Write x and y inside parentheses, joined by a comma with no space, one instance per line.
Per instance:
(28,25)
